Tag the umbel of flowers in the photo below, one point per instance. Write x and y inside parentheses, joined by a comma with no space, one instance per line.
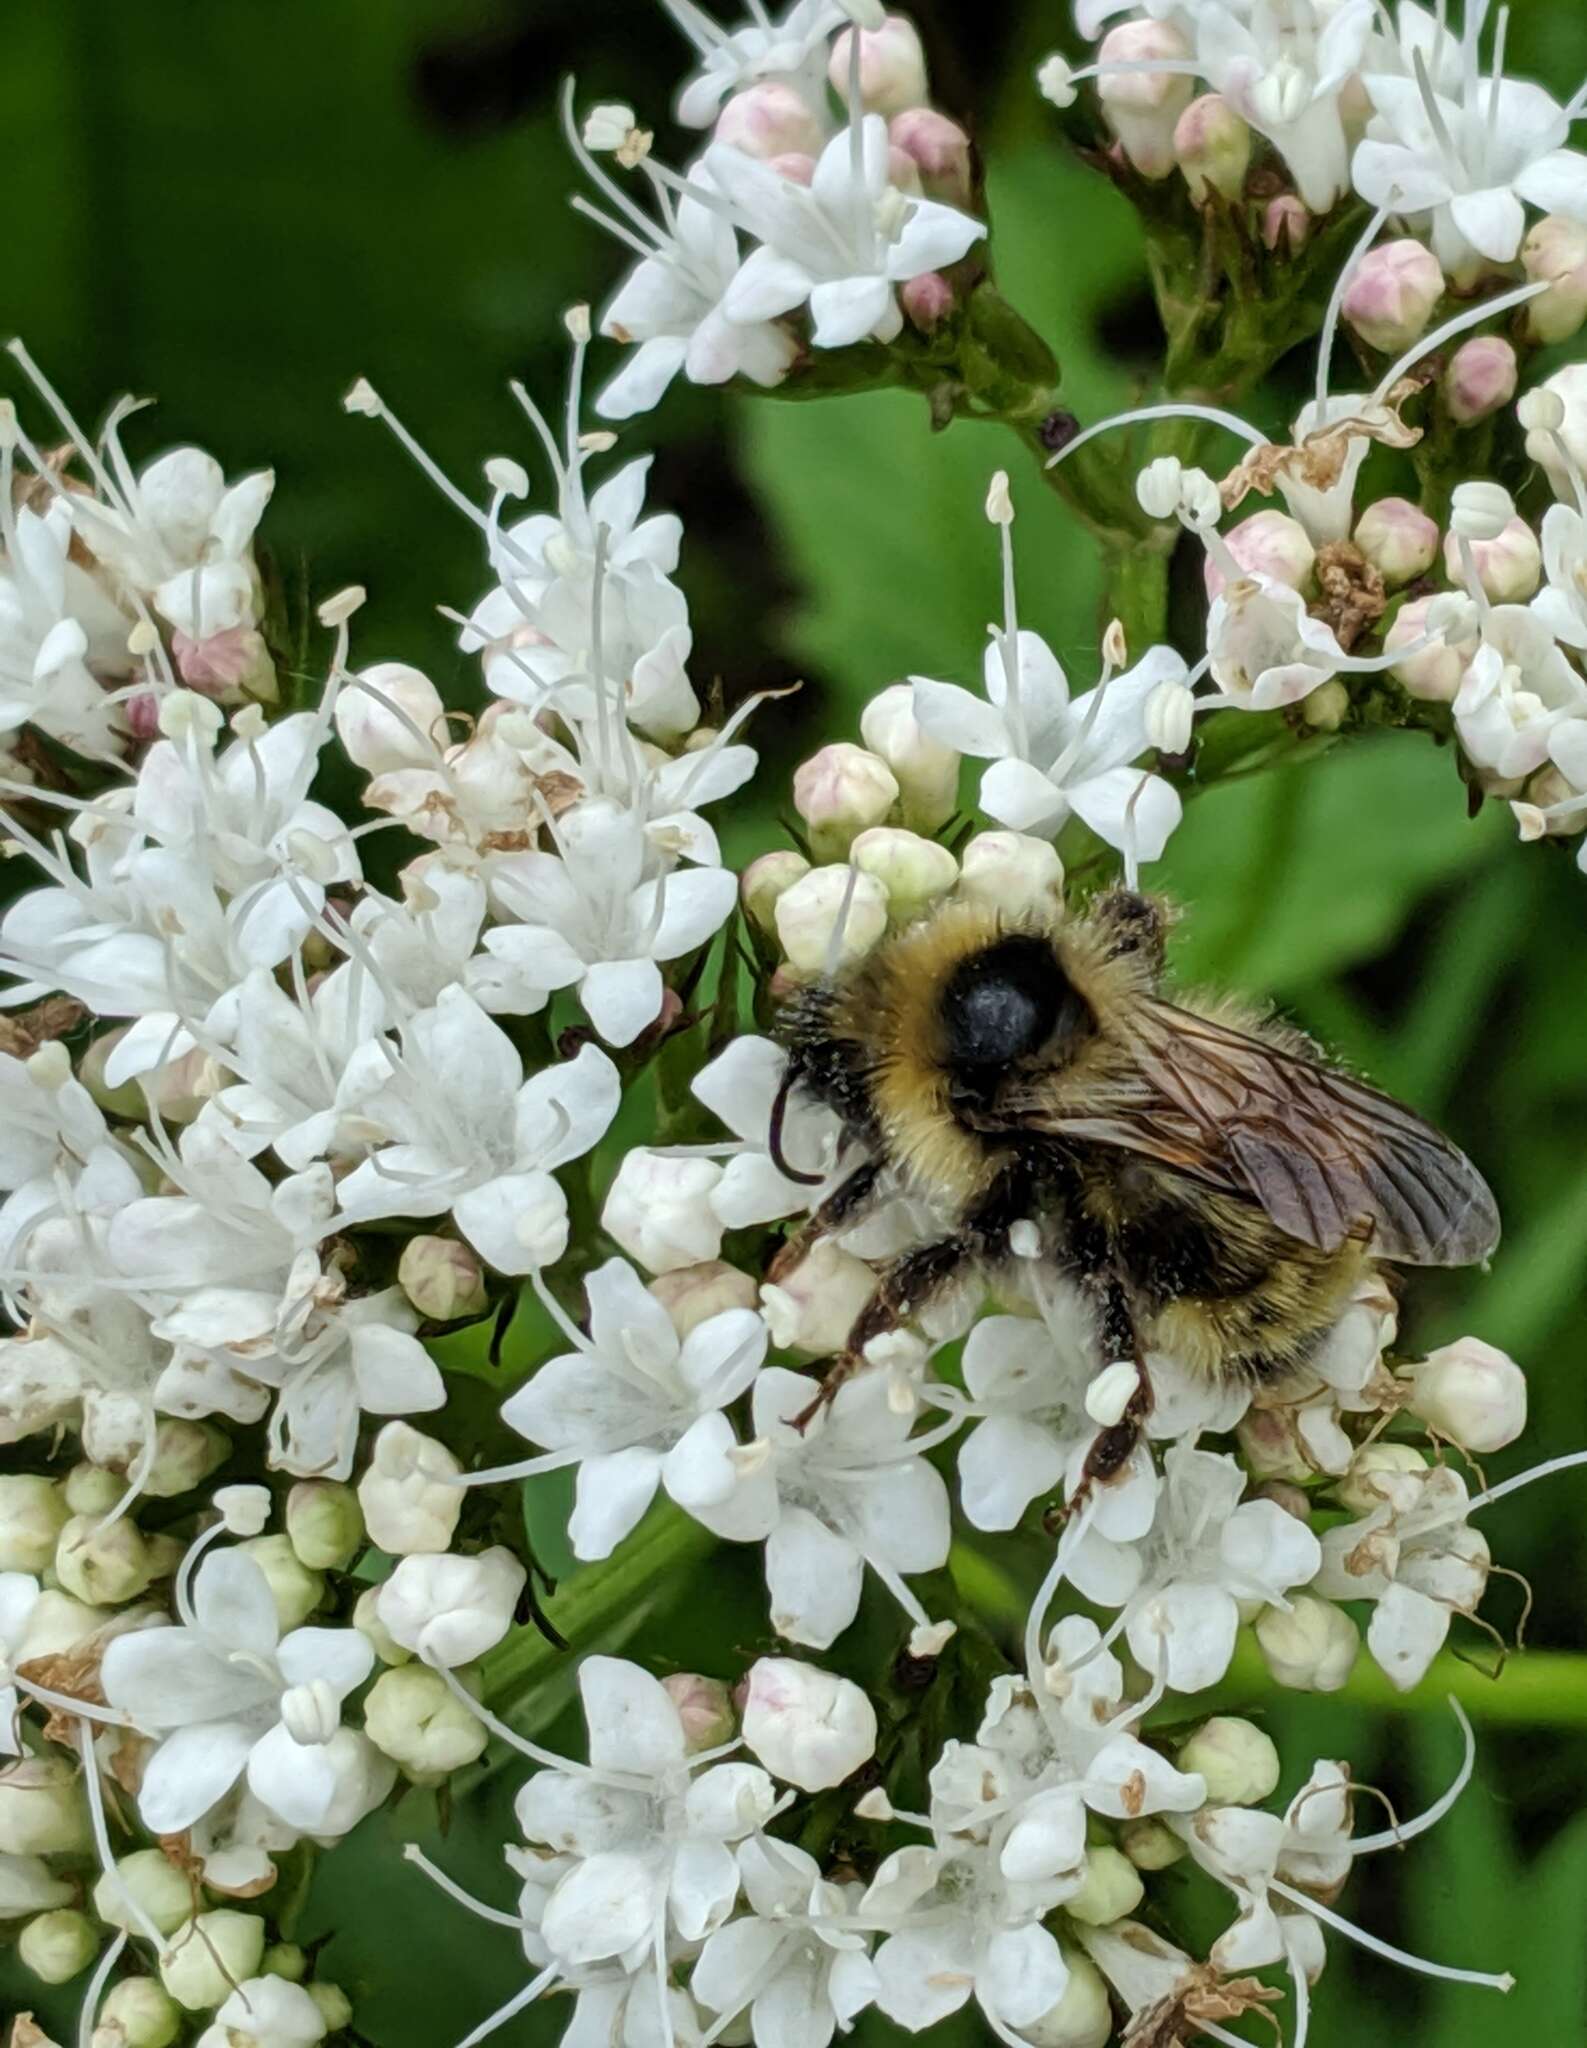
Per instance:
(268,1128)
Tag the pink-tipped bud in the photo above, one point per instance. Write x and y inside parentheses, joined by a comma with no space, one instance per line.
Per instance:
(794,165)
(939,150)
(1433,674)
(810,1728)
(1398,539)
(1393,294)
(770,119)
(1471,1393)
(1286,225)
(1143,107)
(1213,148)
(1509,566)
(1267,544)
(892,66)
(764,880)
(927,301)
(840,792)
(443,1279)
(691,1295)
(705,1707)
(1555,254)
(226,664)
(1482,376)
(142,714)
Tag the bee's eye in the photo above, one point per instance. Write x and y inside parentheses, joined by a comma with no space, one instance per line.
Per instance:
(1007,1002)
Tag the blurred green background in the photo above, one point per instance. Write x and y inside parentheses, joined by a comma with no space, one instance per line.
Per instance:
(239,206)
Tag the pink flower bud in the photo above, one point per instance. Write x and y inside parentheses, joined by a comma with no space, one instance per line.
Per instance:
(940,150)
(770,119)
(1143,107)
(927,301)
(1481,377)
(1472,1394)
(794,165)
(1555,253)
(691,1295)
(903,173)
(1391,298)
(443,1278)
(809,1727)
(1213,148)
(1267,544)
(225,664)
(705,1707)
(1434,674)
(1286,225)
(1398,539)
(892,66)
(764,880)
(142,714)
(839,792)
(1509,567)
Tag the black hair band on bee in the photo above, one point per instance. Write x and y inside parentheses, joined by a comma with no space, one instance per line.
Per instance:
(779,1110)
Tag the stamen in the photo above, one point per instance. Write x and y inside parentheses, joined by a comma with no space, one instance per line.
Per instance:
(1387,1950)
(412,1853)
(1210,413)
(1330,326)
(1405,1831)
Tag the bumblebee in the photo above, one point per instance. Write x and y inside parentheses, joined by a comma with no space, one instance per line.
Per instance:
(1215,1187)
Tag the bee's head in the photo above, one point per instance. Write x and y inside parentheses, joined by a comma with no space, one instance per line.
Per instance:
(1008,1002)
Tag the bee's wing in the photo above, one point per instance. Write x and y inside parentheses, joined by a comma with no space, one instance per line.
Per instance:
(1322,1154)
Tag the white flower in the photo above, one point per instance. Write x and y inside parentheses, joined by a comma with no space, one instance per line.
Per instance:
(230,1695)
(179,535)
(800,1980)
(450,1610)
(289,1057)
(741,1086)
(633,1408)
(468,1133)
(28,1885)
(651,1831)
(55,621)
(810,1728)
(1281,64)
(409,1492)
(659,1209)
(1462,159)
(1562,606)
(843,242)
(598,918)
(1518,688)
(1266,649)
(1054,757)
(848,1491)
(1181,1585)
(792,49)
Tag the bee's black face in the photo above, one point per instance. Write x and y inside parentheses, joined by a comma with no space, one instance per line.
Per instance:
(1004,1004)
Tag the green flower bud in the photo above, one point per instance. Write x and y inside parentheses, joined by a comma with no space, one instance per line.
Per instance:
(325,1524)
(55,1946)
(209,1955)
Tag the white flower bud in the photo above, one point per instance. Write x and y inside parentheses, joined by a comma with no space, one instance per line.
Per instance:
(1011,872)
(55,1946)
(1481,377)
(1212,147)
(450,1610)
(809,1727)
(691,1295)
(839,792)
(367,1621)
(1398,539)
(1435,673)
(137,2013)
(209,1954)
(324,1524)
(1393,294)
(1083,2017)
(58,1624)
(443,1278)
(705,1707)
(27,1885)
(1237,1759)
(42,1811)
(295,1589)
(161,1892)
(1270,1444)
(1267,544)
(1555,254)
(1110,1889)
(813,1307)
(100,1566)
(1471,1393)
(658,1210)
(1143,107)
(768,119)
(1509,565)
(334,2005)
(830,903)
(764,880)
(390,717)
(412,1716)
(265,2012)
(1311,1646)
(408,1502)
(1170,716)
(1150,1845)
(892,66)
(33,1512)
(1378,1473)
(927,772)
(915,872)
(185,1453)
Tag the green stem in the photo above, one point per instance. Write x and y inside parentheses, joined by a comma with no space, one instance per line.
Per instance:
(1537,1688)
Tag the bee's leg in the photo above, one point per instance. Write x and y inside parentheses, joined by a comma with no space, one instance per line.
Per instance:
(913,1280)
(838,1210)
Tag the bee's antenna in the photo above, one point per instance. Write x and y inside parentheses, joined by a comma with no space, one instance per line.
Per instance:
(779,1110)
